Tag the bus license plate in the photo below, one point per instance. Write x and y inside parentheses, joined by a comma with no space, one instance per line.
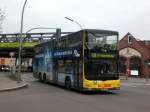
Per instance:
(104,85)
(107,85)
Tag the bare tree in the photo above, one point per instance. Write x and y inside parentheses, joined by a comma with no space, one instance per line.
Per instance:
(2,17)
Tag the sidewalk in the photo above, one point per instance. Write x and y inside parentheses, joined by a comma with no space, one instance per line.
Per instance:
(135,79)
(130,81)
(7,84)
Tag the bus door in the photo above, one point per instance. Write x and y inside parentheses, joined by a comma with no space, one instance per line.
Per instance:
(78,73)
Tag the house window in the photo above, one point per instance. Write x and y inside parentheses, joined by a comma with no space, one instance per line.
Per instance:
(130,38)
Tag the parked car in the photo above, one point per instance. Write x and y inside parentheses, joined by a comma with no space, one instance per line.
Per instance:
(30,68)
(5,68)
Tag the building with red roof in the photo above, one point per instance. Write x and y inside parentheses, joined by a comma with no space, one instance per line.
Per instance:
(134,56)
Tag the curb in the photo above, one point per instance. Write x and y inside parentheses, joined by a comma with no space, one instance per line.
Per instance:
(15,88)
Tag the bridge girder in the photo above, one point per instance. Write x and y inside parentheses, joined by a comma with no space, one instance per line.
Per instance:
(6,40)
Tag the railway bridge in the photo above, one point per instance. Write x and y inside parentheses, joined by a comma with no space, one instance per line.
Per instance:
(9,46)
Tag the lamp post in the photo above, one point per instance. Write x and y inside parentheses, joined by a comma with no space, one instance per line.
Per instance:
(20,44)
(74,22)
(82,43)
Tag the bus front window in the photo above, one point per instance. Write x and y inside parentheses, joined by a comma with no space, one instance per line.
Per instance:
(101,69)
(101,41)
(101,56)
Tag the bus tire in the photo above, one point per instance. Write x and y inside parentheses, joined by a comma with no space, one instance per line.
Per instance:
(68,83)
(44,78)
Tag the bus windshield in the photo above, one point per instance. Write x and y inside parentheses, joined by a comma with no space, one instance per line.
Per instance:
(101,55)
(100,40)
(101,69)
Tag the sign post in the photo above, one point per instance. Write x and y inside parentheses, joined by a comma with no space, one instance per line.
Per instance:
(12,63)
(147,64)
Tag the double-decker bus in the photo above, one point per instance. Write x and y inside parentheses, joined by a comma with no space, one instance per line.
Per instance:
(83,60)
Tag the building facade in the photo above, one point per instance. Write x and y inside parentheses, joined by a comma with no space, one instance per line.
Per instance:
(134,55)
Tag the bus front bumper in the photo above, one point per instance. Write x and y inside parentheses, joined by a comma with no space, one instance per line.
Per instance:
(101,85)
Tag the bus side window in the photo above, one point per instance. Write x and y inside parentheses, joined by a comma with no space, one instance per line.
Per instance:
(69,66)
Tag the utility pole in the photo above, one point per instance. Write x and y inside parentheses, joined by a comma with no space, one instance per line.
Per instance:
(20,42)
(147,64)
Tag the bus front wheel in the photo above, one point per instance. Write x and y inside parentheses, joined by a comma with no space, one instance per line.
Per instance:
(68,83)
(40,77)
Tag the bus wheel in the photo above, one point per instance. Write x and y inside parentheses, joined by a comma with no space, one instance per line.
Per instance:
(68,83)
(44,78)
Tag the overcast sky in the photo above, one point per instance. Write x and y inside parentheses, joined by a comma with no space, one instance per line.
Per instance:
(120,15)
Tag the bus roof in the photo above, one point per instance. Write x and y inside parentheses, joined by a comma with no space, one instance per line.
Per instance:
(109,32)
(102,31)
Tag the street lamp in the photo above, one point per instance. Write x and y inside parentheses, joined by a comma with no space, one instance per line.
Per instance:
(75,22)
(20,44)
(82,42)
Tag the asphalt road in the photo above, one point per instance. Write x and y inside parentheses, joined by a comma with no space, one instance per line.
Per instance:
(39,97)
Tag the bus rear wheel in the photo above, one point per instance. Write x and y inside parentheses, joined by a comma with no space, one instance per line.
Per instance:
(68,83)
(40,77)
